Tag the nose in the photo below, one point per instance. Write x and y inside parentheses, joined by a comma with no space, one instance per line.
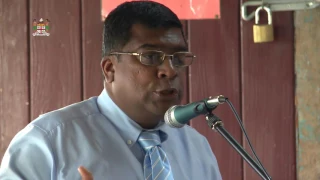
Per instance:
(166,70)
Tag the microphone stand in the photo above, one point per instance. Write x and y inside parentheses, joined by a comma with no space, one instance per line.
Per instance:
(216,124)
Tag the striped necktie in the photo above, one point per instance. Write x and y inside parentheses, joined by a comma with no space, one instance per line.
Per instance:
(156,163)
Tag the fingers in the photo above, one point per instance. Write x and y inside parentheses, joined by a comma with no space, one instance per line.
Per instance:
(85,174)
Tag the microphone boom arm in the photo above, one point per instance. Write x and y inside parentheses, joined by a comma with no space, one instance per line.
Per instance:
(216,124)
(179,115)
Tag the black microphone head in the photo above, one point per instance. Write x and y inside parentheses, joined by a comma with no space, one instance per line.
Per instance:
(170,120)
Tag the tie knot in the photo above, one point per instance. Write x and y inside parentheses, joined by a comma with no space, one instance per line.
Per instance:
(149,139)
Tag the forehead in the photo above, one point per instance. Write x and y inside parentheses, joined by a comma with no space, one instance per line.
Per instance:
(169,39)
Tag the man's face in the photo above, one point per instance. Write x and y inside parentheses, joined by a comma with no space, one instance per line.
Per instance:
(149,89)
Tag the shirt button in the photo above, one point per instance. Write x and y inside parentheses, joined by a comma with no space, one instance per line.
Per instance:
(129,142)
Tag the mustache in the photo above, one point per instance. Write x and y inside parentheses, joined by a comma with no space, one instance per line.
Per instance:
(172,85)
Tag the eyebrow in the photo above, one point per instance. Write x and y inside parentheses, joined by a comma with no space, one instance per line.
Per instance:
(179,48)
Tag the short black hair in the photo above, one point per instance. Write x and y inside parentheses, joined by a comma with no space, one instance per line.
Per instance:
(118,24)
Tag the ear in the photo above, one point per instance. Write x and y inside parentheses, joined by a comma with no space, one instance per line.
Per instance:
(108,69)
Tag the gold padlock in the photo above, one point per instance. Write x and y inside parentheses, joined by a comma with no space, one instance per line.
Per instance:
(263,32)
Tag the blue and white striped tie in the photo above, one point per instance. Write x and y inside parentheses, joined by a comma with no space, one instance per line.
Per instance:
(156,163)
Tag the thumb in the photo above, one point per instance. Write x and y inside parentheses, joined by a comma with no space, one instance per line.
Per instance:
(85,174)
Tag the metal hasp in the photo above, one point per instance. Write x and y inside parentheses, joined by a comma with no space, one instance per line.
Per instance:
(280,5)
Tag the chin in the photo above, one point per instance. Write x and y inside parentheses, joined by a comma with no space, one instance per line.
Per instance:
(161,109)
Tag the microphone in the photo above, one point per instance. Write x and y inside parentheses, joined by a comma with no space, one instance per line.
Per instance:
(177,116)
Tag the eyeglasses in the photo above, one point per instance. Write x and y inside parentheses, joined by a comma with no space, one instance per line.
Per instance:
(156,58)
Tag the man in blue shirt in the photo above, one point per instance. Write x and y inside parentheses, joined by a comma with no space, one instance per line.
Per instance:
(121,134)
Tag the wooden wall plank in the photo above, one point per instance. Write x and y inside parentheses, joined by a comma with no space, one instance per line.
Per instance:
(56,59)
(92,27)
(14,75)
(268,97)
(215,72)
(185,99)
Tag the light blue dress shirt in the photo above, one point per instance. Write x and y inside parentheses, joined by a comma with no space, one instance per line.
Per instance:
(98,135)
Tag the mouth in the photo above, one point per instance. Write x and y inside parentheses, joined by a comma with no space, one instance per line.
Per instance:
(167,93)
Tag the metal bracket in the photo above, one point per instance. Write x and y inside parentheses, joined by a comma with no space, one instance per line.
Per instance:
(277,6)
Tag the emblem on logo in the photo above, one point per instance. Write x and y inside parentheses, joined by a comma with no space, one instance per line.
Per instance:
(40,28)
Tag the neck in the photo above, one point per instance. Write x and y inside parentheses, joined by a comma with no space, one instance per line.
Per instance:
(149,125)
(146,120)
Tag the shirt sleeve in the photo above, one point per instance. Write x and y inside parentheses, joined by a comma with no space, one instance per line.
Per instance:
(28,157)
(215,168)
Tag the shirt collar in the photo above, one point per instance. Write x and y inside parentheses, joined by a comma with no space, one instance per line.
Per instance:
(128,128)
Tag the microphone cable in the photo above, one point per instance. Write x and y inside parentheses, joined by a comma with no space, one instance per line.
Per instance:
(247,138)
